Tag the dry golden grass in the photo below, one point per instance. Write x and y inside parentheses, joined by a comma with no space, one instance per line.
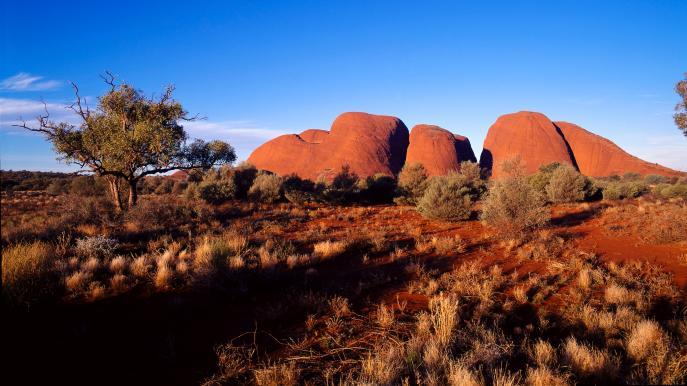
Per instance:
(587,361)
(328,249)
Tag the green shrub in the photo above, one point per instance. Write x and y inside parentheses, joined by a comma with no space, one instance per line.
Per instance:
(671,191)
(297,190)
(215,189)
(265,188)
(165,187)
(655,179)
(566,185)
(342,189)
(179,187)
(378,189)
(540,180)
(412,182)
(513,207)
(451,197)
(618,190)
(243,177)
(86,186)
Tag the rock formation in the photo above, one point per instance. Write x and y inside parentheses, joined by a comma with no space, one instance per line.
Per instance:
(596,156)
(438,150)
(367,143)
(530,135)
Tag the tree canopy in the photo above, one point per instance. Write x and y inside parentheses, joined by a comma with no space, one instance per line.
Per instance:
(129,136)
(681,108)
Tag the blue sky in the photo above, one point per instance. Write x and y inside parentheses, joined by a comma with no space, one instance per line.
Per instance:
(258,69)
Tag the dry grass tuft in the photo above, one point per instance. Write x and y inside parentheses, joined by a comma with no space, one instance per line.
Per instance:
(283,374)
(328,249)
(587,361)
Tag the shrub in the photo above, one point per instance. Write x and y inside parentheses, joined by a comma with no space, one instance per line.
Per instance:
(412,182)
(58,186)
(165,187)
(342,189)
(514,207)
(216,191)
(451,197)
(25,273)
(671,191)
(179,187)
(620,190)
(243,177)
(378,188)
(654,179)
(154,213)
(566,185)
(97,246)
(297,190)
(86,186)
(266,187)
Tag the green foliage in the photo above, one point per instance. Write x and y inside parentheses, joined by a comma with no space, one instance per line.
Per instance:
(342,189)
(566,185)
(265,188)
(412,182)
(297,190)
(451,197)
(671,190)
(86,186)
(618,190)
(129,136)
(653,179)
(378,189)
(165,187)
(243,176)
(513,207)
(681,108)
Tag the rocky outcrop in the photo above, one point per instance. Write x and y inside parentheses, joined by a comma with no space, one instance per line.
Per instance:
(438,150)
(368,144)
(596,156)
(529,135)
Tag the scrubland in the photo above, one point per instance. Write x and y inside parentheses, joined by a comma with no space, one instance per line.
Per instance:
(238,276)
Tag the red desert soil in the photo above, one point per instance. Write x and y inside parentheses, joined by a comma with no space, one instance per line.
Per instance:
(368,144)
(596,156)
(438,150)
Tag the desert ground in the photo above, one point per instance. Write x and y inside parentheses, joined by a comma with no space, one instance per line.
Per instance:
(341,290)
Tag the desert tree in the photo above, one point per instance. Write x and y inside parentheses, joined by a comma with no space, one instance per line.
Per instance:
(681,108)
(129,136)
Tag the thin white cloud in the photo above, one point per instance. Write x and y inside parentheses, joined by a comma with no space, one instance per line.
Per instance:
(26,82)
(667,150)
(15,111)
(245,129)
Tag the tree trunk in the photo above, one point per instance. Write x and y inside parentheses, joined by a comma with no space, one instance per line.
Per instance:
(133,194)
(114,192)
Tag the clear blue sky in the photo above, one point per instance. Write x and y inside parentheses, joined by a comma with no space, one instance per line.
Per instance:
(259,69)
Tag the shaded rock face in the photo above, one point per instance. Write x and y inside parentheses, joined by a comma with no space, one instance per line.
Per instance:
(530,135)
(596,156)
(438,150)
(368,144)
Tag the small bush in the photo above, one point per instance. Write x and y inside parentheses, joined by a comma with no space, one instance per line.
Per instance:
(378,189)
(654,179)
(412,182)
(297,190)
(566,185)
(342,189)
(671,191)
(266,188)
(216,192)
(615,190)
(513,207)
(96,246)
(451,197)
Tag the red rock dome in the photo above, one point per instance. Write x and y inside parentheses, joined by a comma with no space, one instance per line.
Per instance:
(598,157)
(367,143)
(530,135)
(438,150)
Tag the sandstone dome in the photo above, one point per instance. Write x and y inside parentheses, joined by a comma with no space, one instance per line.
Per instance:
(530,135)
(438,150)
(596,156)
(367,143)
